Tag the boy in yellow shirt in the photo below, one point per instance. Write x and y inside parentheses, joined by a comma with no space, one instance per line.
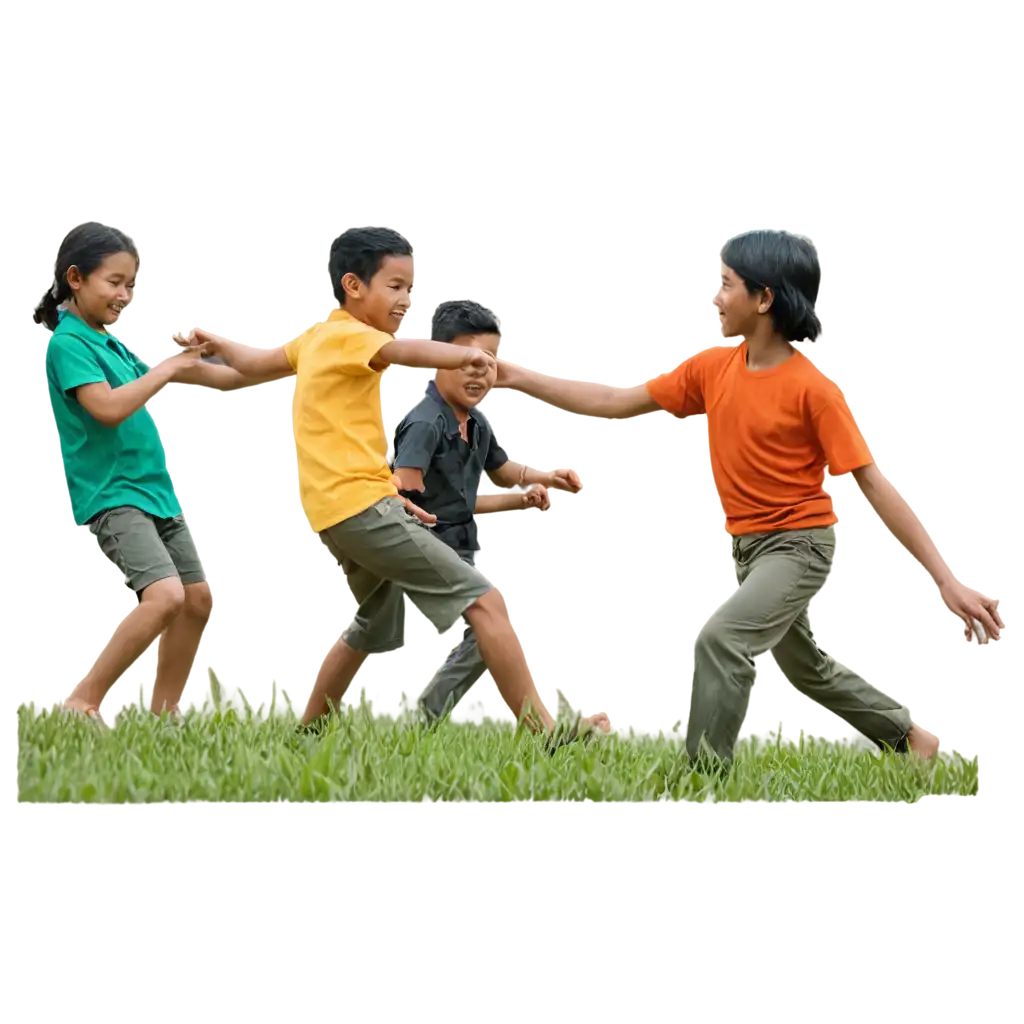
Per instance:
(346,486)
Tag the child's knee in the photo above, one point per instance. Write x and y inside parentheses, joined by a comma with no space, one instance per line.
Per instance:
(486,609)
(714,636)
(165,597)
(198,601)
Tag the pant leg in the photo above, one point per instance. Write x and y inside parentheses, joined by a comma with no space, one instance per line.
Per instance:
(778,573)
(393,546)
(817,675)
(462,668)
(130,539)
(379,623)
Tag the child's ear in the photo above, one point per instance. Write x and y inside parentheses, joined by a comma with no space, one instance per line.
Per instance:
(767,297)
(352,285)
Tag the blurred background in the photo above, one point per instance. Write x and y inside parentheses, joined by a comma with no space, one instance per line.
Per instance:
(577,168)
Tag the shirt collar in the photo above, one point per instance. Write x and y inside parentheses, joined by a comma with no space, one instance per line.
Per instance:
(449,413)
(73,323)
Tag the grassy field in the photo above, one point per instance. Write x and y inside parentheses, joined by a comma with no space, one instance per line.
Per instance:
(224,752)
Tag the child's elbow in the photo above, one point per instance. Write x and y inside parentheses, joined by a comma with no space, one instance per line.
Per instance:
(107,416)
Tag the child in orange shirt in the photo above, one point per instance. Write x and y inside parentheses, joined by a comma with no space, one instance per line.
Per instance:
(774,423)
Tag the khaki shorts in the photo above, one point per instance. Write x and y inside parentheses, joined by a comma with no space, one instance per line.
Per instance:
(386,553)
(146,548)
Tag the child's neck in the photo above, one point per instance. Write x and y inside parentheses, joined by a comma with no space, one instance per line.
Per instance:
(767,349)
(461,412)
(88,320)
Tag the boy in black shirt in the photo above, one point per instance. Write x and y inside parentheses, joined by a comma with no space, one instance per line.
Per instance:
(442,448)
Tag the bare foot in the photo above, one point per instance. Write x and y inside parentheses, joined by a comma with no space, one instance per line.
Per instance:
(922,742)
(599,721)
(76,706)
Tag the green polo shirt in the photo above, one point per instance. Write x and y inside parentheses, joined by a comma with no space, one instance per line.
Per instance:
(105,466)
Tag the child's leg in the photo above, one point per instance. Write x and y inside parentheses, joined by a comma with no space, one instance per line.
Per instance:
(463,667)
(180,640)
(130,538)
(379,625)
(823,679)
(778,574)
(394,546)
(820,677)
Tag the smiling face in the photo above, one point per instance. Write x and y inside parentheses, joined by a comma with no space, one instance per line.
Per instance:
(100,298)
(457,387)
(385,299)
(738,310)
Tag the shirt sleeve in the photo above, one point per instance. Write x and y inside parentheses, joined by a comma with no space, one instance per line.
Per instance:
(840,439)
(73,364)
(681,391)
(141,368)
(415,444)
(496,457)
(293,349)
(354,351)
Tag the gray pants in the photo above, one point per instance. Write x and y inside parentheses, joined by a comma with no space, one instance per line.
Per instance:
(387,553)
(146,548)
(462,668)
(778,574)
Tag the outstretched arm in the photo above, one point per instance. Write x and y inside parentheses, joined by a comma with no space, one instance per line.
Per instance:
(846,453)
(222,377)
(577,396)
(438,355)
(494,500)
(240,356)
(510,474)
(905,526)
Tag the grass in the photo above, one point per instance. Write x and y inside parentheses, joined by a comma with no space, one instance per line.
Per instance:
(227,753)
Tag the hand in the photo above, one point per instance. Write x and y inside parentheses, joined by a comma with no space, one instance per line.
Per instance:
(208,344)
(564,480)
(182,362)
(508,375)
(536,497)
(415,510)
(968,605)
(478,362)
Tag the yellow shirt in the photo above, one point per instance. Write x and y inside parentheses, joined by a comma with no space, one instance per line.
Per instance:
(339,431)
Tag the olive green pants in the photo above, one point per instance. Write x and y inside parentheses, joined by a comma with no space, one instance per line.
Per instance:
(778,574)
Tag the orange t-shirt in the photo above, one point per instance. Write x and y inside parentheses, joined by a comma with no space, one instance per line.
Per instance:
(771,433)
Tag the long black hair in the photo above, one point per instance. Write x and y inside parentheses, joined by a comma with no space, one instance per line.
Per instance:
(788,264)
(85,247)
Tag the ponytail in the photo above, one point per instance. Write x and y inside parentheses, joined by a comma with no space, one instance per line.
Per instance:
(47,312)
(84,247)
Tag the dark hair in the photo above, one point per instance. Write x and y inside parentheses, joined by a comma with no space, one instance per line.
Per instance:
(461,317)
(361,251)
(788,264)
(85,247)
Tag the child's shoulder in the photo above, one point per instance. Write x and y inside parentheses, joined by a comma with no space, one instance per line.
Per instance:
(424,411)
(717,355)
(71,335)
(817,376)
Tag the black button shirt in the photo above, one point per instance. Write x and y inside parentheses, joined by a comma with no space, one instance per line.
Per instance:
(428,439)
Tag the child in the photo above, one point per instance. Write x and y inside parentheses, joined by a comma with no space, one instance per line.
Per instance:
(114,462)
(774,421)
(346,486)
(441,449)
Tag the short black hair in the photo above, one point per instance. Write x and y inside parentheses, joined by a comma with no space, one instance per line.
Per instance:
(85,247)
(361,251)
(788,264)
(461,317)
